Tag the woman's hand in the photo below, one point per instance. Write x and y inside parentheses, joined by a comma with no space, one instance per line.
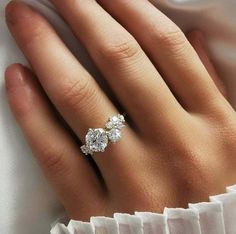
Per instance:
(180,145)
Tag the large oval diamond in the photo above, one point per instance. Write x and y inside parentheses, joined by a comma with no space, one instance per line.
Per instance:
(97,140)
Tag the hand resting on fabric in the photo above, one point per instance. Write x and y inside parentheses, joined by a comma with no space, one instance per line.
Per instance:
(179,145)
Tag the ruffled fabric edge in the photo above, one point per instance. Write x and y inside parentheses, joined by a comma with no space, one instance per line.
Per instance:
(218,216)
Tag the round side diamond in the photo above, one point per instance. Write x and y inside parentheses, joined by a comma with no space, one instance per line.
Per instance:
(97,139)
(121,117)
(85,149)
(116,122)
(114,135)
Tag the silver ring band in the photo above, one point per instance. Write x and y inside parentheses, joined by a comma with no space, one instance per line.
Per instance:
(97,139)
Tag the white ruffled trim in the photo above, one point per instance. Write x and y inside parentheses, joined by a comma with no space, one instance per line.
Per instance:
(215,217)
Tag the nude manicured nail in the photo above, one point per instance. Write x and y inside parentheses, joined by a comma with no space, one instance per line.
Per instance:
(19,90)
(14,77)
(16,11)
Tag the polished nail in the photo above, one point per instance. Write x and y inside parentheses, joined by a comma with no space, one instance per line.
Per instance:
(14,76)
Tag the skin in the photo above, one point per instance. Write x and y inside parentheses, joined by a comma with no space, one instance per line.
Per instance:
(180,143)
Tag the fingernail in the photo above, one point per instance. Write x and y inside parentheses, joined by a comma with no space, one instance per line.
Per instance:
(10,8)
(15,11)
(14,77)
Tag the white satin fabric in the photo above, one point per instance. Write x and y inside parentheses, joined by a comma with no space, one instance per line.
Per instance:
(27,203)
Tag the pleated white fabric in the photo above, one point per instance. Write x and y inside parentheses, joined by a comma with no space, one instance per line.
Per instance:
(215,217)
(27,203)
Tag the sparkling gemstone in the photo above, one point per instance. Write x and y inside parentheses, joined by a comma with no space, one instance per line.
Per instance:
(121,117)
(85,149)
(114,135)
(96,140)
(116,122)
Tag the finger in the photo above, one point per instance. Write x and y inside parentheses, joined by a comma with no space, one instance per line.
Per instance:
(197,40)
(169,50)
(57,153)
(128,70)
(70,87)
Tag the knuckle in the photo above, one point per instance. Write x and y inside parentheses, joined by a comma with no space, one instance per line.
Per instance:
(171,37)
(78,94)
(125,49)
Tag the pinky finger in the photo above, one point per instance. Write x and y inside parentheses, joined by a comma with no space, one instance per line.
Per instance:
(71,174)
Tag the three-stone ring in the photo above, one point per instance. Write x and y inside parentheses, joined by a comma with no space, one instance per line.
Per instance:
(97,139)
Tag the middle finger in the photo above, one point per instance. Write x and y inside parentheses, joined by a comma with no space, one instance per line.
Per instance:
(124,64)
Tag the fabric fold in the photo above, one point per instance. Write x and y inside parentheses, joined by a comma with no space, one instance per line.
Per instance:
(228,201)
(105,225)
(211,217)
(218,216)
(153,222)
(182,221)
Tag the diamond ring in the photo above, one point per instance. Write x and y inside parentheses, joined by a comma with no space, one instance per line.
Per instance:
(97,139)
